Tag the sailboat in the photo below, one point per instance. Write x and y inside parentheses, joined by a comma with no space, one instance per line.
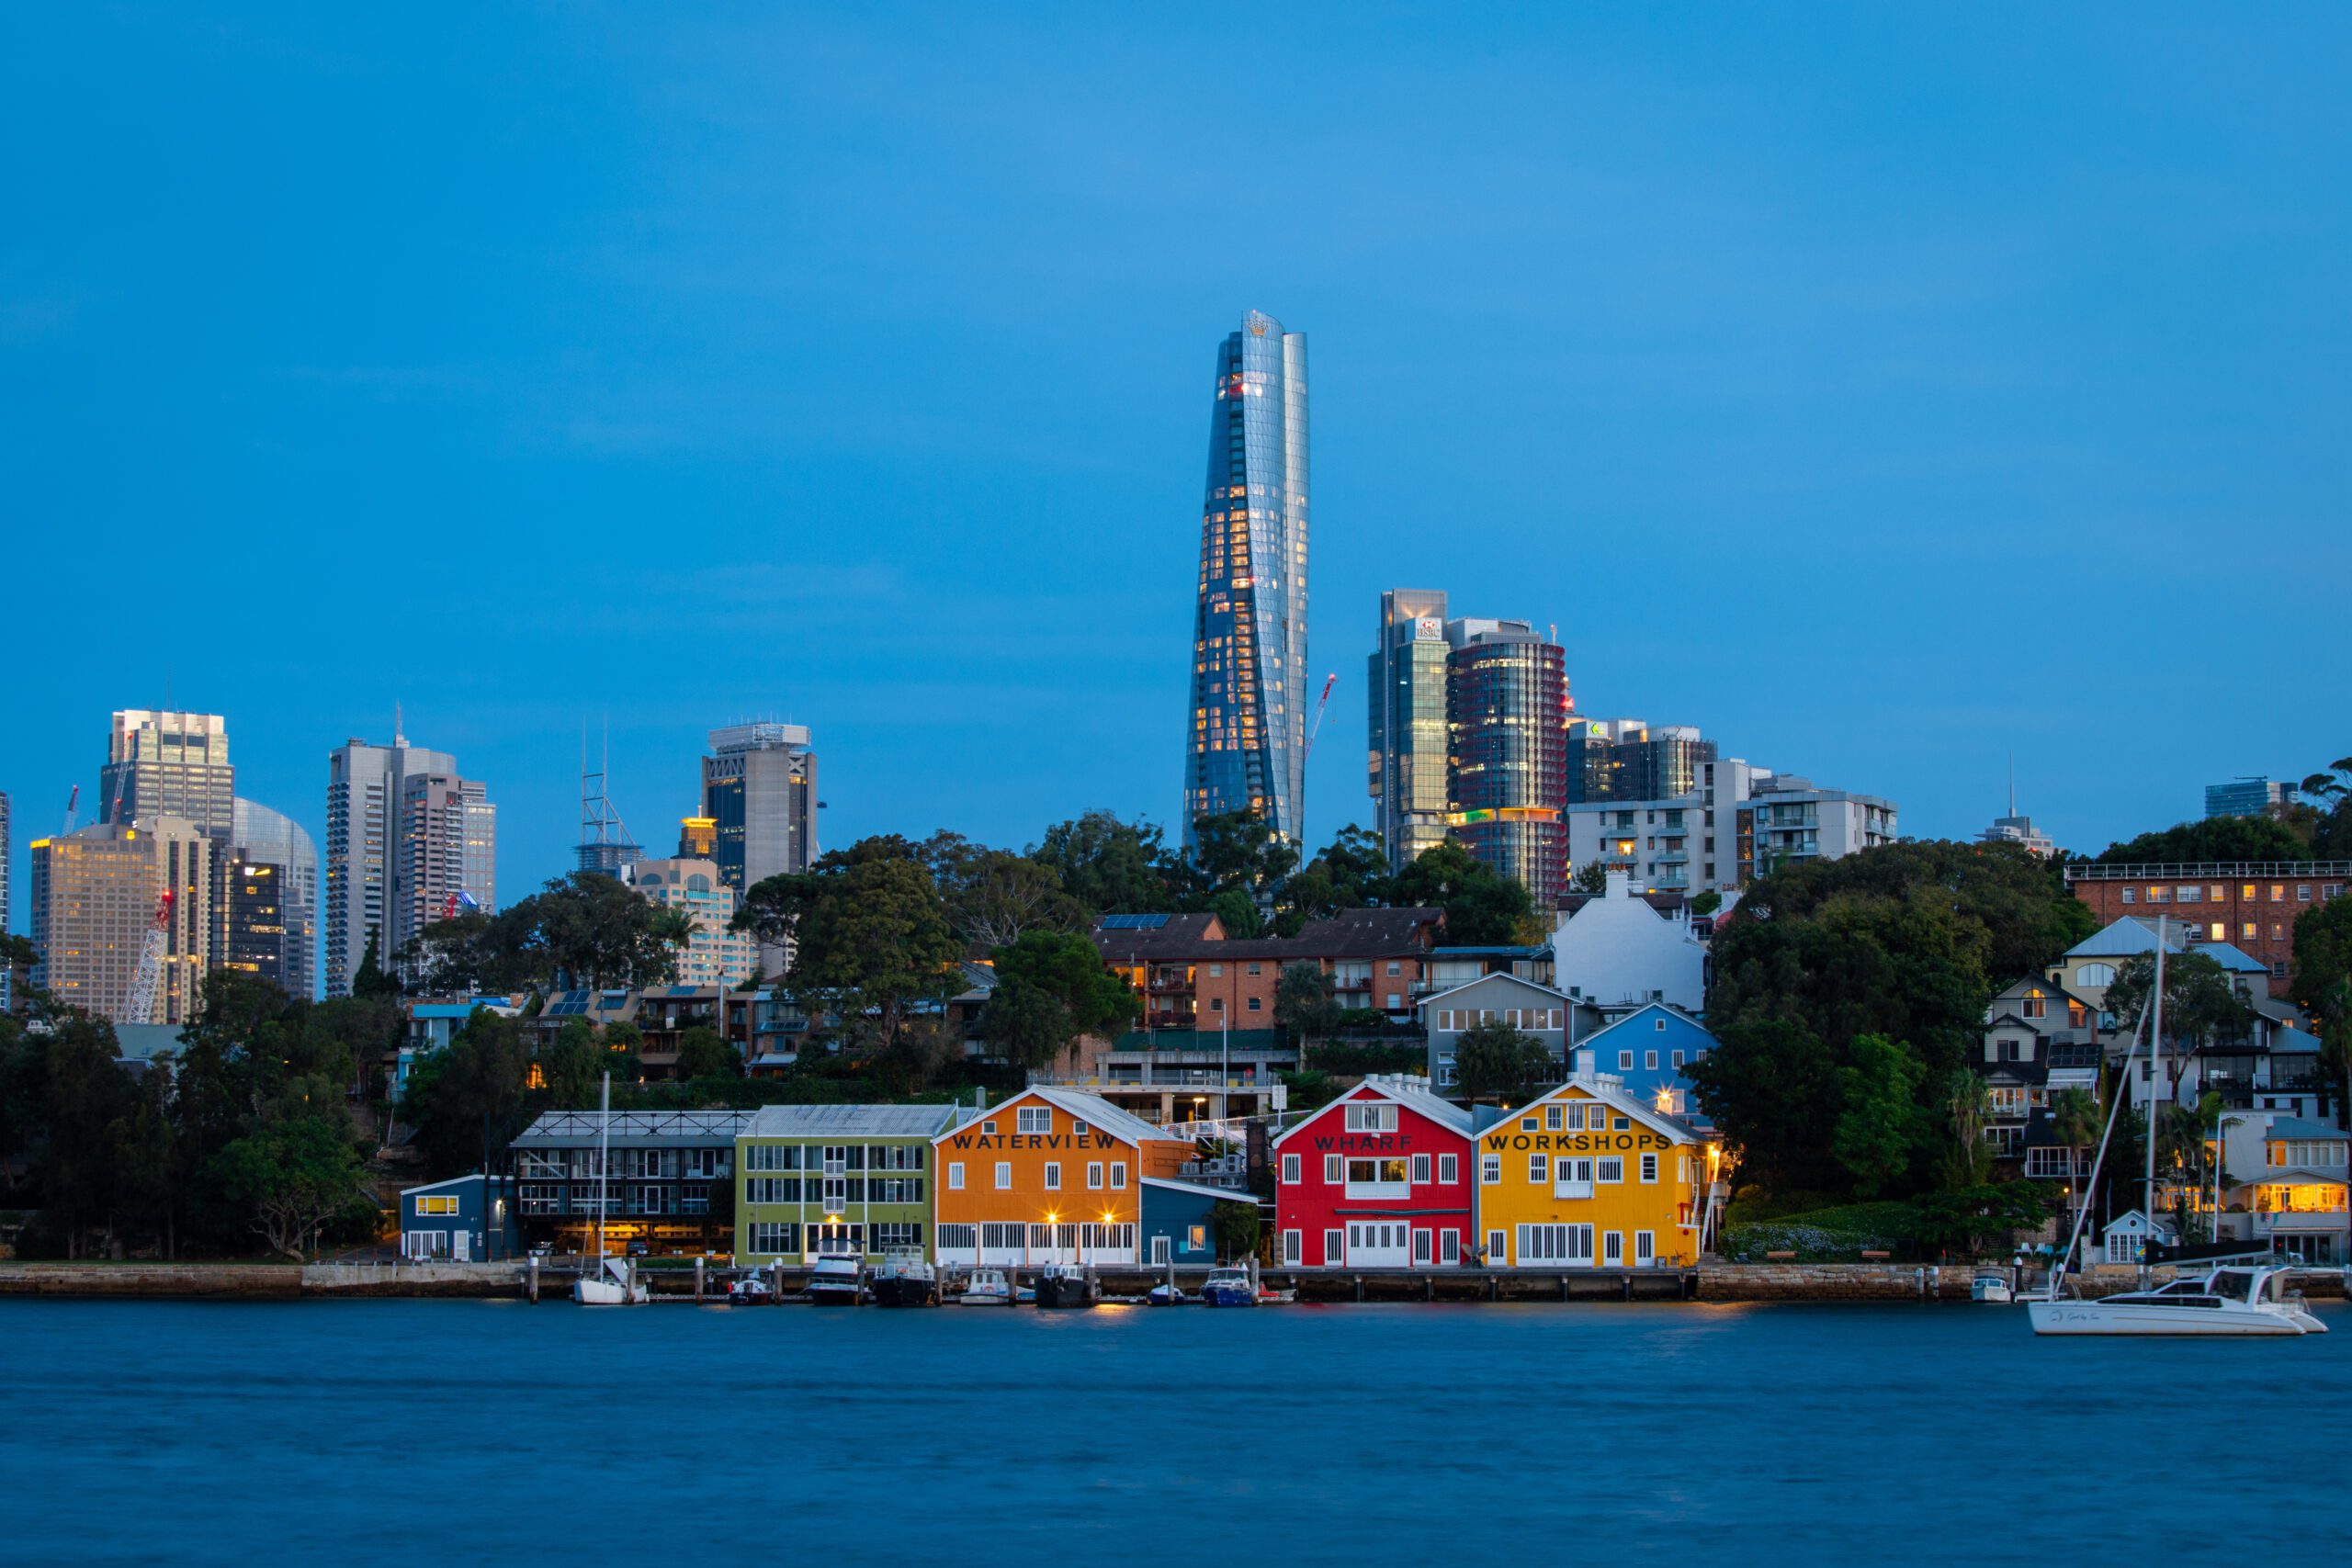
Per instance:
(613,1281)
(2233,1301)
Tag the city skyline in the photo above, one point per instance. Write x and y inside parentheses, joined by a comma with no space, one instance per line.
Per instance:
(1615,318)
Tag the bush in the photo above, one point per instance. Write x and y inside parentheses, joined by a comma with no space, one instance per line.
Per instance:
(1824,1236)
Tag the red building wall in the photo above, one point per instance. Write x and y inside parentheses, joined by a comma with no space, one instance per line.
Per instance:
(1384,1223)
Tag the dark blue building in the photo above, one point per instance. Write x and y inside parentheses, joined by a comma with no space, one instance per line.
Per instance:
(1176,1227)
(467,1219)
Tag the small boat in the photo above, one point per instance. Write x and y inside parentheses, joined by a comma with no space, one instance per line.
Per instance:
(1989,1286)
(1068,1285)
(905,1279)
(837,1279)
(751,1290)
(1277,1298)
(986,1288)
(1166,1295)
(2225,1301)
(613,1284)
(1229,1288)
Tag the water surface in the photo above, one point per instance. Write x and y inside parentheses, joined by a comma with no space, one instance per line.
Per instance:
(424,1432)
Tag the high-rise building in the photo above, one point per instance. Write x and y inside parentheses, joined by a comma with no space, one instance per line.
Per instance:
(96,894)
(1626,758)
(255,926)
(1408,759)
(2252,795)
(759,790)
(716,955)
(1739,822)
(169,764)
(263,837)
(1507,713)
(407,839)
(1247,745)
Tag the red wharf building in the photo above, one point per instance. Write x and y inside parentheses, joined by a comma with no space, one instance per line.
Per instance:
(1379,1178)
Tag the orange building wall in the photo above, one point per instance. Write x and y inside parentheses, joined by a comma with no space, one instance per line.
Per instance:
(1028,1200)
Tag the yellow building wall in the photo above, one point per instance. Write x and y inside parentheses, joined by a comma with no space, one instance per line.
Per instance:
(1664,1208)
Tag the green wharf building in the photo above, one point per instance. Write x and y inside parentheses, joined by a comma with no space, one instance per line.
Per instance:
(835,1179)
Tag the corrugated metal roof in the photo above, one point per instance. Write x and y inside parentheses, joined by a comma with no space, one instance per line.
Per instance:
(849,1121)
(2302,1129)
(2130,936)
(1099,1112)
(634,1129)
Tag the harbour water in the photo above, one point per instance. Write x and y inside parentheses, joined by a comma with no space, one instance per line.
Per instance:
(426,1432)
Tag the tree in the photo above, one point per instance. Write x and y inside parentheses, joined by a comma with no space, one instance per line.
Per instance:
(293,1179)
(1482,910)
(2212,839)
(2323,953)
(2324,818)
(2201,1008)
(371,980)
(704,1054)
(1348,873)
(570,1064)
(1051,988)
(1878,1120)
(82,1091)
(1236,911)
(1592,878)
(1771,1087)
(1237,852)
(1305,1002)
(993,896)
(1237,1223)
(1111,866)
(470,1094)
(2336,1044)
(873,940)
(1495,1059)
(1967,1104)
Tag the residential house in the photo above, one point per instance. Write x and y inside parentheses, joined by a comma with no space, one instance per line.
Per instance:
(1533,1009)
(1620,950)
(1649,1051)
(2288,1176)
(1050,1176)
(467,1219)
(1588,1176)
(835,1179)
(1378,1178)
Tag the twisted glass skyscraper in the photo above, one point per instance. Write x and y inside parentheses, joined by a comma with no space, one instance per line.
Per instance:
(1248,747)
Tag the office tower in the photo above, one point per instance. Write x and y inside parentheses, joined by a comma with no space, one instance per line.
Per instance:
(759,790)
(1246,748)
(716,955)
(254,939)
(1506,714)
(169,764)
(95,893)
(1408,758)
(2252,795)
(263,837)
(1626,758)
(698,838)
(409,840)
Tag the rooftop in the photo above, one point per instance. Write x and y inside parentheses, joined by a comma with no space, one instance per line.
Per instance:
(925,1121)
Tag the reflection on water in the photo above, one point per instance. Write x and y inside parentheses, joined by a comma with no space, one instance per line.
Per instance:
(443,1431)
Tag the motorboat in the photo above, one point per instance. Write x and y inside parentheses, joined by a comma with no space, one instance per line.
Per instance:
(837,1279)
(987,1288)
(905,1279)
(1992,1286)
(2251,1301)
(609,1283)
(751,1290)
(1166,1295)
(1229,1287)
(1068,1285)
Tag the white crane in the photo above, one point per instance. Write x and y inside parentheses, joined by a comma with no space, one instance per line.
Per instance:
(140,1006)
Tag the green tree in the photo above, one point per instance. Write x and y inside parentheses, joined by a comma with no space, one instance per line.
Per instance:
(291,1180)
(572,1064)
(1236,911)
(371,980)
(1968,1104)
(1305,1002)
(1237,1222)
(1051,988)
(82,1091)
(2212,839)
(1237,852)
(703,1053)
(1111,866)
(873,940)
(993,896)
(2323,953)
(2324,818)
(1592,878)
(1496,1060)
(1348,873)
(2201,1007)
(470,1094)
(1878,1120)
(1482,910)
(1771,1087)
(2336,1044)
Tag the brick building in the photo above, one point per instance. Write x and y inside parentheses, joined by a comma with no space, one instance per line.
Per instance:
(2251,905)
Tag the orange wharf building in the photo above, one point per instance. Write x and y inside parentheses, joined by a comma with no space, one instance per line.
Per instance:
(1050,1176)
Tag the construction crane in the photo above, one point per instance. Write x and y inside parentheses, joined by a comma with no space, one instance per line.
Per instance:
(72,810)
(140,1006)
(1316,723)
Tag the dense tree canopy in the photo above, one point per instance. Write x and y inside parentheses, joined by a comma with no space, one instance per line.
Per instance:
(2211,839)
(581,931)
(1051,988)
(1495,1059)
(1482,908)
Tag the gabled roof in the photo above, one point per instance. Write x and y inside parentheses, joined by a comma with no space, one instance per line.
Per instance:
(1496,977)
(2130,936)
(1418,1100)
(1092,1109)
(1133,941)
(1666,1009)
(2302,1129)
(850,1121)
(445,1181)
(1617,1099)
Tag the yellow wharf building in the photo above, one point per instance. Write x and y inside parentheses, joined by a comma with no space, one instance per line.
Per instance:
(1589,1176)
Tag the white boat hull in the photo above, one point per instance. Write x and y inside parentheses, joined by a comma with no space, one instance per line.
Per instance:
(2100,1317)
(608,1293)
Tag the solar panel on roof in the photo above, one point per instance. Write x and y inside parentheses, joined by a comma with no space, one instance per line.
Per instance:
(1134,922)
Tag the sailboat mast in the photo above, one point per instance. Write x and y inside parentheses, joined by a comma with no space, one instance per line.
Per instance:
(2155,1083)
(603,1165)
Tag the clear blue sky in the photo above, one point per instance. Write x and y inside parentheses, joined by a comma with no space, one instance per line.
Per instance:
(1881,388)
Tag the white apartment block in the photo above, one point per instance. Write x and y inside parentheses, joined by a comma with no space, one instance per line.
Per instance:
(1740,822)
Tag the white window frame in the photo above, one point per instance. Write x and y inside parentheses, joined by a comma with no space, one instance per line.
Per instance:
(1498,1249)
(1293,1247)
(1004,1176)
(955,1176)
(1094,1176)
(1335,1249)
(1118,1176)
(1538,1164)
(1449,1247)
(1490,1170)
(1448,1169)
(1644,1248)
(1290,1171)
(1335,1170)
(1649,1166)
(1419,1172)
(1033,1119)
(1053,1176)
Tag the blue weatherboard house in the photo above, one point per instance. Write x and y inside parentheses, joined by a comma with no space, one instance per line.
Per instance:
(463,1220)
(1176,1227)
(1649,1048)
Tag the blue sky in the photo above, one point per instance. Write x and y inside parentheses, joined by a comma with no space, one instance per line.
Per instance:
(1880,389)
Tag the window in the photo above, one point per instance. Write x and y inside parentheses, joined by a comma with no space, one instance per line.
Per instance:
(2248,929)
(2302,892)
(1644,1247)
(1649,1167)
(1537,1165)
(1216,1004)
(1294,1252)
(1335,1170)
(2277,892)
(1649,1061)
(1053,1176)
(2219,931)
(1255,1004)
(2129,897)
(1034,1118)
(1335,1247)
(1449,1247)
(2190,895)
(1611,1167)
(1217,971)
(1371,1118)
(1555,1244)
(1498,1248)
(1423,1250)
(1255,969)
(989,1128)
(1094,1176)
(1118,1176)
(1396,1001)
(1551,1118)
(1077,1129)
(2036,1005)
(437,1205)
(1004,1176)
(1290,1170)
(2159,895)
(1420,1170)
(1490,1170)
(1449,1168)
(1395,967)
(1613,1247)
(1678,1061)
(1625,1061)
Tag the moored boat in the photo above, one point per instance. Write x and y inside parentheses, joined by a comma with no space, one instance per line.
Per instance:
(1068,1285)
(1229,1288)
(1991,1286)
(986,1288)
(751,1290)
(611,1282)
(837,1279)
(905,1279)
(1166,1295)
(2226,1301)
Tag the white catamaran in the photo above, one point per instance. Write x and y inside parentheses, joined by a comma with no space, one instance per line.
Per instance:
(2234,1300)
(608,1281)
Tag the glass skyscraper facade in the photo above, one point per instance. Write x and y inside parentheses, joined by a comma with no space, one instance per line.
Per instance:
(1247,750)
(1408,759)
(1507,709)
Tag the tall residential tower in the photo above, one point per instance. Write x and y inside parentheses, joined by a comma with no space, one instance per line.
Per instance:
(1247,748)
(407,839)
